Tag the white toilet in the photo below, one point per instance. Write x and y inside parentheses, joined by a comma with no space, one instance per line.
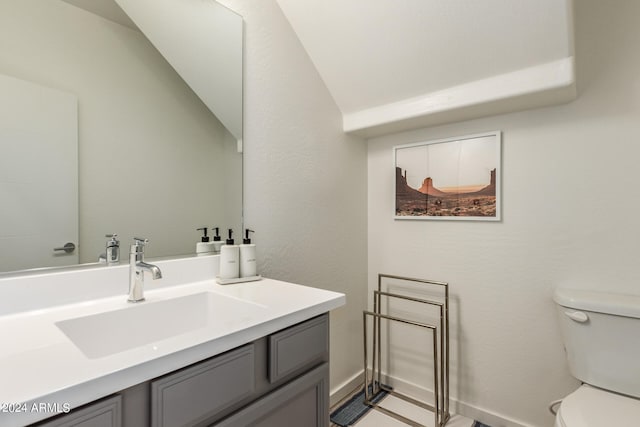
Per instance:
(601,335)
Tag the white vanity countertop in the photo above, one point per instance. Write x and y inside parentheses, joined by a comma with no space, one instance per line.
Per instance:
(40,365)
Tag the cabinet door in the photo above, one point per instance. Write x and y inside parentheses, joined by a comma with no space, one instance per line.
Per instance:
(106,413)
(302,402)
(298,348)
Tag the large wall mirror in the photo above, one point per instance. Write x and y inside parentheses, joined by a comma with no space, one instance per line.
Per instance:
(110,124)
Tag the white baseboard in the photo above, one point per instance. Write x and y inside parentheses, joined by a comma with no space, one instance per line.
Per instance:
(487,417)
(456,407)
(345,389)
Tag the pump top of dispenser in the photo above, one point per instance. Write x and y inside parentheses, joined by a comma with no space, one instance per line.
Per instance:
(204,237)
(216,238)
(246,239)
(230,239)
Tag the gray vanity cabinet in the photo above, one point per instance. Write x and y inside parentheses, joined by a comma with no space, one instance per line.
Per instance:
(278,380)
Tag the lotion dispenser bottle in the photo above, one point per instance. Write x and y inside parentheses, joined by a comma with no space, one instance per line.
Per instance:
(217,241)
(247,256)
(204,247)
(229,259)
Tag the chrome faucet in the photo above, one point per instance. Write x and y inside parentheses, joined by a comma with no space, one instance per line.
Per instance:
(137,267)
(112,254)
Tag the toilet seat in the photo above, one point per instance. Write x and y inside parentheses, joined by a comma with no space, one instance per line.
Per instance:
(593,407)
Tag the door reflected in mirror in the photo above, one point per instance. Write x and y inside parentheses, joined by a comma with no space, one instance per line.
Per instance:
(152,160)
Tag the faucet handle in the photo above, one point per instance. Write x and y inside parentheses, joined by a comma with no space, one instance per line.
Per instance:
(113,242)
(138,244)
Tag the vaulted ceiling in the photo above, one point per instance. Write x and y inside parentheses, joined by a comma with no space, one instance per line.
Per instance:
(396,64)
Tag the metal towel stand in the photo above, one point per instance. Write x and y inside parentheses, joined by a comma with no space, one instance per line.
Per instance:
(440,348)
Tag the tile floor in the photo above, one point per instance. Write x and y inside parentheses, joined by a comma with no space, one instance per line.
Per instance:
(375,418)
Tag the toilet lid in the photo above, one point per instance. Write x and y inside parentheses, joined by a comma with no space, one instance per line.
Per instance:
(592,407)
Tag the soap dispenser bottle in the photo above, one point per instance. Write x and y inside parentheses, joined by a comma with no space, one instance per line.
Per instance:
(204,246)
(248,266)
(229,259)
(217,240)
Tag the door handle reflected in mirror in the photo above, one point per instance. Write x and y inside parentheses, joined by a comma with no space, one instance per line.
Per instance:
(68,248)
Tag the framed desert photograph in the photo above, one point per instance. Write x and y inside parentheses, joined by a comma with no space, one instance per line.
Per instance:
(449,179)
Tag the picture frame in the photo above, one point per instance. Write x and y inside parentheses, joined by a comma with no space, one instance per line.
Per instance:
(457,178)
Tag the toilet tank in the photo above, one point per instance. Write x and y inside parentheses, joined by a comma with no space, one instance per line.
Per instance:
(601,333)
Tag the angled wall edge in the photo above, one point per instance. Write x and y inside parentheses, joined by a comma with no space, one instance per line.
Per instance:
(541,85)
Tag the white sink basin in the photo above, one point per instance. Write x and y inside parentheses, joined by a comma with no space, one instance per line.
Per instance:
(111,332)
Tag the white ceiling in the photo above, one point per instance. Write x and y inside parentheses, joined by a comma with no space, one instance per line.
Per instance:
(373,53)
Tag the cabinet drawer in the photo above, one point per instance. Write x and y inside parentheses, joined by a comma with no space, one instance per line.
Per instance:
(302,402)
(198,392)
(298,347)
(105,413)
